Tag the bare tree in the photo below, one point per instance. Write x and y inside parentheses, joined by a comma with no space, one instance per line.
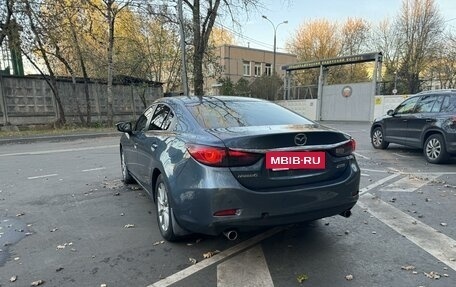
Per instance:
(204,14)
(5,19)
(421,26)
(110,9)
(39,46)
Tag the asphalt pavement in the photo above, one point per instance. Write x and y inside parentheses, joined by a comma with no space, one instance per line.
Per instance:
(67,219)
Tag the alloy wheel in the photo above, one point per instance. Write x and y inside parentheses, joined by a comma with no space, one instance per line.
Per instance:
(124,167)
(377,137)
(163,207)
(433,148)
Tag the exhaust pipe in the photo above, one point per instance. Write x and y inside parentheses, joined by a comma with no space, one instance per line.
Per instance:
(231,235)
(346,213)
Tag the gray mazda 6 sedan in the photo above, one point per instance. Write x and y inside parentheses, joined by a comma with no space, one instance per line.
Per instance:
(228,164)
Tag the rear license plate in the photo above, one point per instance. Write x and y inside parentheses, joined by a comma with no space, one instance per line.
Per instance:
(296,160)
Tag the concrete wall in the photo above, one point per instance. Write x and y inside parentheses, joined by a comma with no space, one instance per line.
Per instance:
(308,108)
(26,100)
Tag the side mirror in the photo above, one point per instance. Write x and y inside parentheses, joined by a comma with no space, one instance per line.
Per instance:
(390,113)
(124,127)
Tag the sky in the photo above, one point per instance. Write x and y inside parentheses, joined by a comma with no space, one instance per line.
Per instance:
(257,32)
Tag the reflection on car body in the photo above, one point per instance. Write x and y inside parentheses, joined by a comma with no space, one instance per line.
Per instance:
(203,160)
(426,121)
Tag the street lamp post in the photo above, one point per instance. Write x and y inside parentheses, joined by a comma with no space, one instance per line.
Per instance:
(275,32)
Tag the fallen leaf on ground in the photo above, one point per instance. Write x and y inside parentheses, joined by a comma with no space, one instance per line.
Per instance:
(103,285)
(129,226)
(432,275)
(158,242)
(446,275)
(54,230)
(301,278)
(210,254)
(16,258)
(192,260)
(20,214)
(37,283)
(408,267)
(444,224)
(59,269)
(61,246)
(13,279)
(349,277)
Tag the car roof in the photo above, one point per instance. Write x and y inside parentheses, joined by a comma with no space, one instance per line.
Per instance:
(195,99)
(440,91)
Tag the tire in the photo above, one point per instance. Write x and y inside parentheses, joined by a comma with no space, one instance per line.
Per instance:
(434,149)
(126,176)
(164,210)
(377,139)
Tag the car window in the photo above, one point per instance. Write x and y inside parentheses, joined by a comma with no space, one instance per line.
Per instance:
(437,104)
(141,123)
(226,114)
(406,107)
(169,119)
(425,104)
(449,104)
(159,118)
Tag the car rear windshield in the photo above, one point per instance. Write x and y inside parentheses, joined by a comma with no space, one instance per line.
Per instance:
(226,114)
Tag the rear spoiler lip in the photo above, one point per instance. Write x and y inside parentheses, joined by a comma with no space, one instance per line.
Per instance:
(294,148)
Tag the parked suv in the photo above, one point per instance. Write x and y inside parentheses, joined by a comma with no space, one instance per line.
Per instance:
(426,121)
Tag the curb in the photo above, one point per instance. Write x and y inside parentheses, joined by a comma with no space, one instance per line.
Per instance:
(57,138)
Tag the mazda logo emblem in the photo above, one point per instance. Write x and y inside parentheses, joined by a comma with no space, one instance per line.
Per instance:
(300,139)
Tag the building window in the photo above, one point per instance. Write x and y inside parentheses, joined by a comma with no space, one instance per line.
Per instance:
(257,70)
(246,66)
(267,69)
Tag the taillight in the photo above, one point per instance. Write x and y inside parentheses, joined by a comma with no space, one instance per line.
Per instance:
(221,157)
(345,149)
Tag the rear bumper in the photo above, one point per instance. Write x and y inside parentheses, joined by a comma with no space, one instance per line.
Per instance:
(195,201)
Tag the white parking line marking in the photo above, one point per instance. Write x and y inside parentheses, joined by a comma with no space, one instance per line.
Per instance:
(93,169)
(401,155)
(42,176)
(362,156)
(58,150)
(176,277)
(377,183)
(374,170)
(364,174)
(409,183)
(246,269)
(427,238)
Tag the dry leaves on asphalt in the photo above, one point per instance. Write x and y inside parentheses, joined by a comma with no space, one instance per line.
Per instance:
(349,277)
(408,267)
(129,226)
(432,275)
(210,254)
(37,283)
(13,279)
(193,260)
(301,278)
(158,242)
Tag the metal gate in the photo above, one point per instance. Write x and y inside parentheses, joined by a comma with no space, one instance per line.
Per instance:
(347,102)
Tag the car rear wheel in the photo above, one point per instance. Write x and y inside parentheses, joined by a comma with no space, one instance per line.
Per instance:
(126,177)
(164,210)
(435,150)
(378,140)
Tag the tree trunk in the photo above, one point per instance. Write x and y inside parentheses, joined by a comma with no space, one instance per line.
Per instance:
(111,19)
